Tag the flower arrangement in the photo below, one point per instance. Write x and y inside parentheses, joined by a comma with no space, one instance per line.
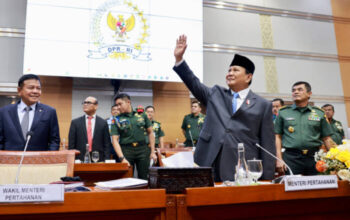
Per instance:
(335,161)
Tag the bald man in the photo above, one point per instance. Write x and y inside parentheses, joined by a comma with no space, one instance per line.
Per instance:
(90,130)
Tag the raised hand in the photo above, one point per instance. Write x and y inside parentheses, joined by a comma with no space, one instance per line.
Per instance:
(181,45)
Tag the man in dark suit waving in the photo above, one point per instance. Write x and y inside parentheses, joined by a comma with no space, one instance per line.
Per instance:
(90,130)
(29,115)
(234,115)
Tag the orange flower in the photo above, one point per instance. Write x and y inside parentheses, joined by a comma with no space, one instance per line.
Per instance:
(321,166)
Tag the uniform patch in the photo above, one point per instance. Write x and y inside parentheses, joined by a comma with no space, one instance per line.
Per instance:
(140,119)
(124,122)
(155,127)
(200,120)
(338,125)
(313,116)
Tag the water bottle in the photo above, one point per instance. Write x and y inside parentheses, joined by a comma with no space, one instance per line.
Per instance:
(177,143)
(87,158)
(242,175)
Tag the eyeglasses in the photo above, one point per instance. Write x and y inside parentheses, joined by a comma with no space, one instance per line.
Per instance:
(88,103)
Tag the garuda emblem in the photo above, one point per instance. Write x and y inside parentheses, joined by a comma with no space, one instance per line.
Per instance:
(120,26)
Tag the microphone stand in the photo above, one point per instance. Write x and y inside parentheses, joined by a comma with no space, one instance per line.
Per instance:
(191,138)
(266,151)
(29,135)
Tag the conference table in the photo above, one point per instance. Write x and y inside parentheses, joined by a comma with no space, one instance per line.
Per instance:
(95,172)
(263,202)
(268,201)
(122,204)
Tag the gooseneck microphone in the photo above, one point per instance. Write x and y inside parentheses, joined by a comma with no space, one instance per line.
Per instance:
(29,135)
(191,138)
(289,169)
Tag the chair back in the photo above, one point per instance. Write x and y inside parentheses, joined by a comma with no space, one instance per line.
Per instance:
(38,167)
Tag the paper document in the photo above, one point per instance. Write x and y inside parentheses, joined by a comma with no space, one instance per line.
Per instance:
(121,183)
(180,159)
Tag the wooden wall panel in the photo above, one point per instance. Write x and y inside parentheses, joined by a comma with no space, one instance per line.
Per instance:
(57,92)
(172,103)
(341,8)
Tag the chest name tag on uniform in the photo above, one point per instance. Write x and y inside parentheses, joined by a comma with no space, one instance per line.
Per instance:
(290,119)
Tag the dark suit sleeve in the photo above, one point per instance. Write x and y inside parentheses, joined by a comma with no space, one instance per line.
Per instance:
(1,132)
(267,140)
(106,141)
(200,91)
(71,136)
(54,140)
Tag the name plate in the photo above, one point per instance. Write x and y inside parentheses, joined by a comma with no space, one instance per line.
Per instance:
(295,183)
(13,193)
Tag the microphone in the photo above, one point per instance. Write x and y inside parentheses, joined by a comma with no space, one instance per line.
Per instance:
(279,179)
(191,138)
(29,135)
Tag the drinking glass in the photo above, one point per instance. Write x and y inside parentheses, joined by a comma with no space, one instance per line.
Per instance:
(255,169)
(95,156)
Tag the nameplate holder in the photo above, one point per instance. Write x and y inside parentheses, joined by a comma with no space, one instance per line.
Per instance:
(110,161)
(297,183)
(19,193)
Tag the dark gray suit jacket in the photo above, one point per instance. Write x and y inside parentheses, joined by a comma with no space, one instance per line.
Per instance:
(223,130)
(101,141)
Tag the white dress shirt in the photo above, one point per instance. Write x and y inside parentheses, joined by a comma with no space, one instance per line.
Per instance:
(242,95)
(21,111)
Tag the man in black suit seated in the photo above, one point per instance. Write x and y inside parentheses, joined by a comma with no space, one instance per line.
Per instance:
(90,130)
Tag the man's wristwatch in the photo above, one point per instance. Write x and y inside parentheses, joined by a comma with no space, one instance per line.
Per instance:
(121,158)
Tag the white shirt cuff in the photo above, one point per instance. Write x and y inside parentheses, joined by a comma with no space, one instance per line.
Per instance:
(179,63)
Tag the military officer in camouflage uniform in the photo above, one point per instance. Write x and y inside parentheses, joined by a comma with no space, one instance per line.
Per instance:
(192,124)
(157,130)
(300,129)
(131,128)
(338,132)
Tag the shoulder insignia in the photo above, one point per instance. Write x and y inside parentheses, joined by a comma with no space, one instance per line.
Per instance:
(284,107)
(316,107)
(325,116)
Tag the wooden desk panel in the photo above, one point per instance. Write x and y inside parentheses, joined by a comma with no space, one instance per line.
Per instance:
(264,202)
(127,204)
(246,202)
(95,172)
